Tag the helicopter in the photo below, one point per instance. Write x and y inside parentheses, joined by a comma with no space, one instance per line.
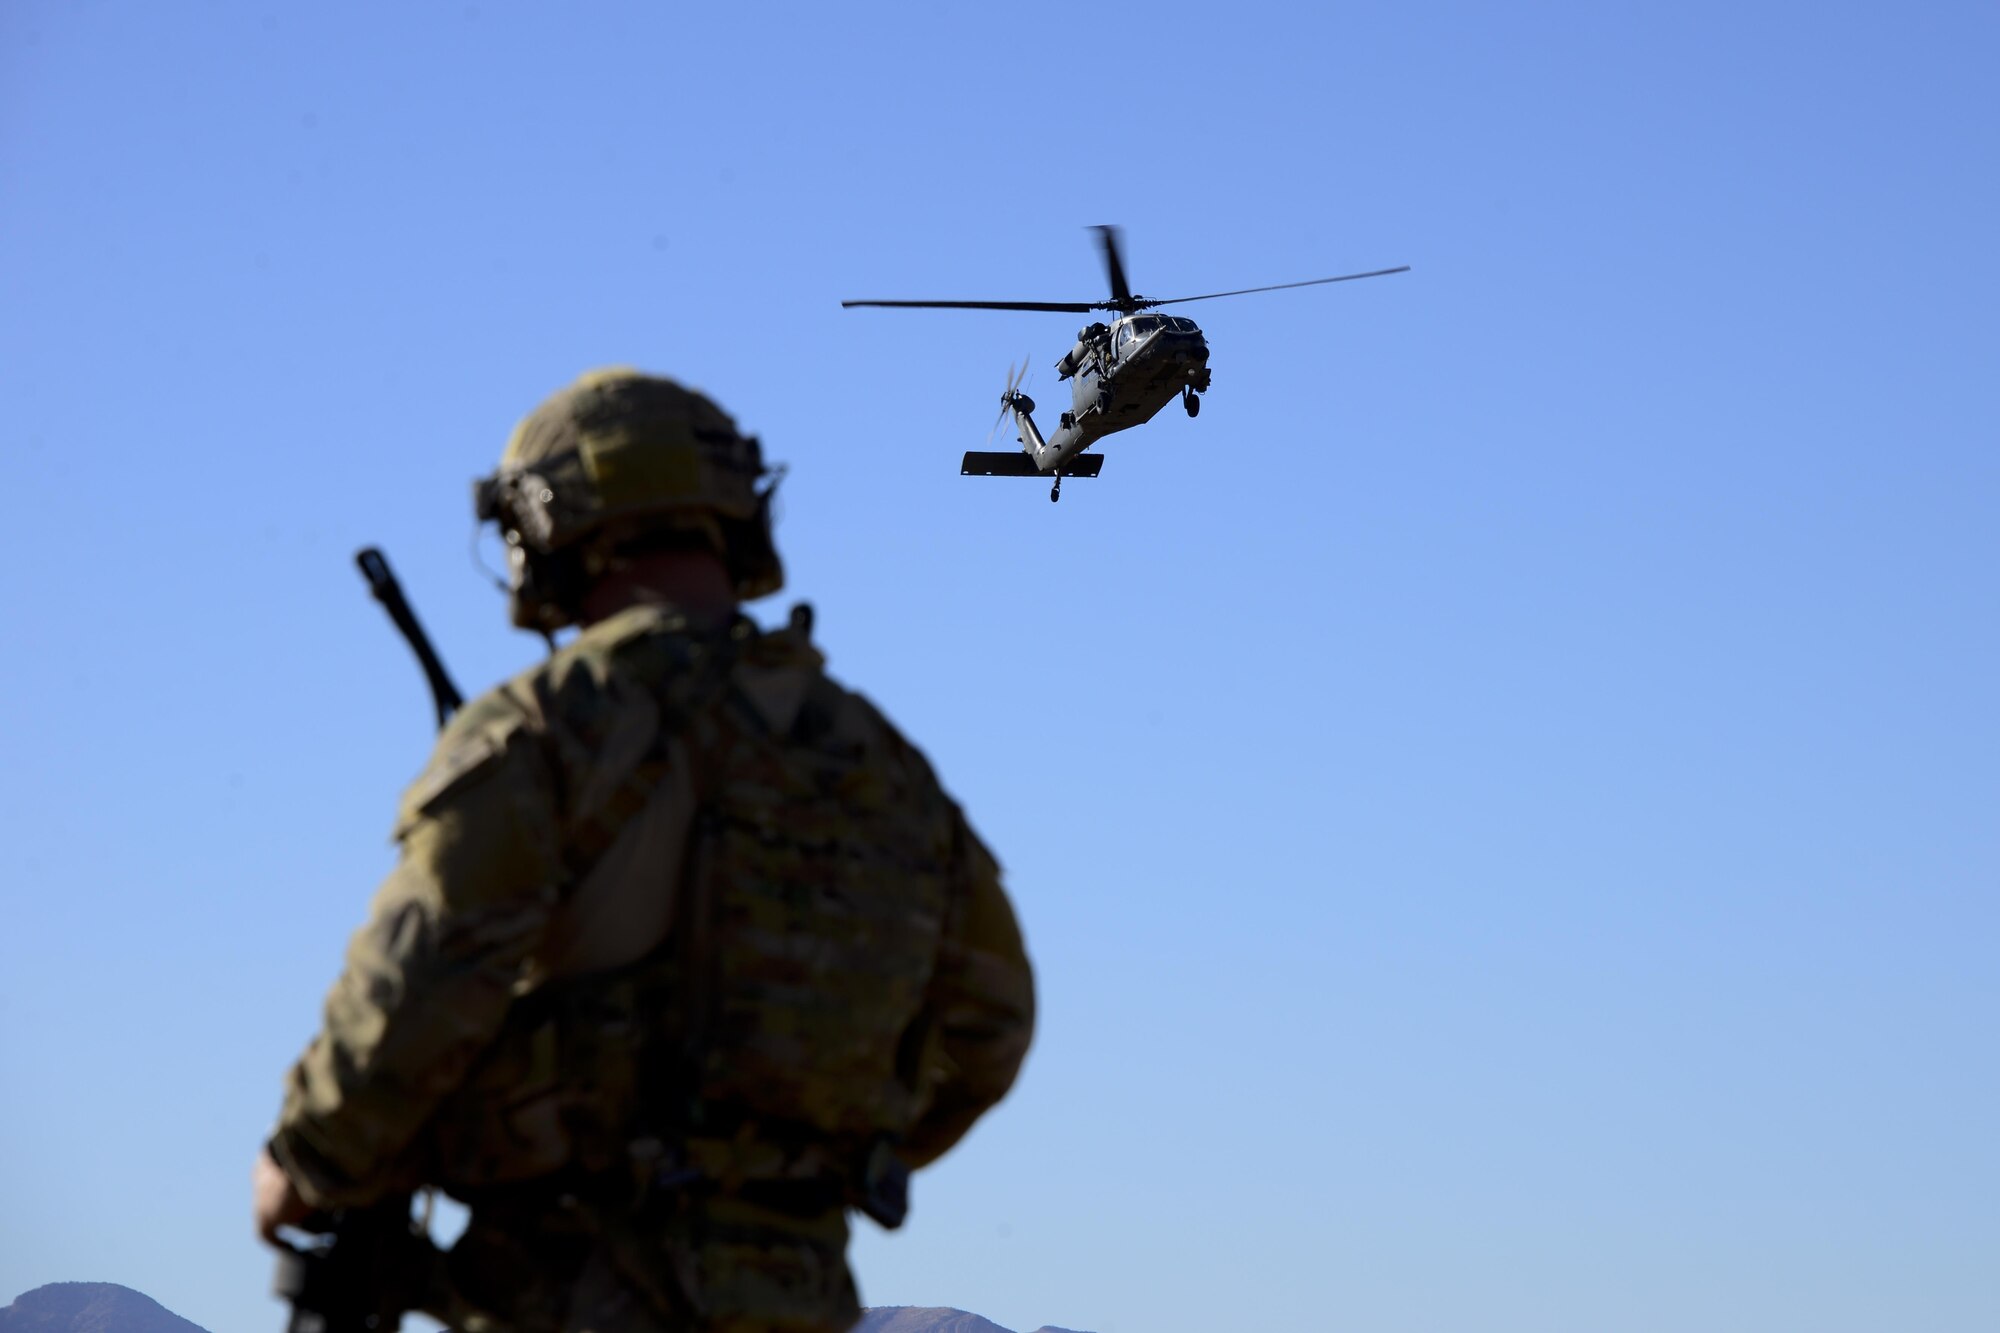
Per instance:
(1121,373)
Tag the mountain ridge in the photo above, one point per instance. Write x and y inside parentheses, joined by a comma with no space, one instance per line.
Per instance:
(90,1307)
(933,1319)
(107,1307)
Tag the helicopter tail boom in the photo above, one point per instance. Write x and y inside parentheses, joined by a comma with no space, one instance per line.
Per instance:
(1045,455)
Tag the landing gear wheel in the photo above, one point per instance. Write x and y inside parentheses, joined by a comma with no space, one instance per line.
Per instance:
(1190,402)
(1055,491)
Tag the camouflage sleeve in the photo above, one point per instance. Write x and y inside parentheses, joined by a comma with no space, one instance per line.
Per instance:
(981,1010)
(429,978)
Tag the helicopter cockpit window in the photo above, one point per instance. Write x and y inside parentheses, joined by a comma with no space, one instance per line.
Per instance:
(1145,324)
(1124,336)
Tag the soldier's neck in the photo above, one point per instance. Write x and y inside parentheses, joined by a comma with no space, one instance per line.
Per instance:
(696,583)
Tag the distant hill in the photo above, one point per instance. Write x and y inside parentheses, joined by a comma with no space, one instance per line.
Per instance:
(930,1319)
(90,1307)
(106,1307)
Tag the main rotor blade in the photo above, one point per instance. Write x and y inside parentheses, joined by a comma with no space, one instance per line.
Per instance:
(1277,287)
(1121,292)
(1074,307)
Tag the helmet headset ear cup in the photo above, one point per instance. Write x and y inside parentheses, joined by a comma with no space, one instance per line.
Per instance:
(545,588)
(751,551)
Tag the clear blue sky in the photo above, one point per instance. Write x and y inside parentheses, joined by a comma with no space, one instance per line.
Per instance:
(1504,804)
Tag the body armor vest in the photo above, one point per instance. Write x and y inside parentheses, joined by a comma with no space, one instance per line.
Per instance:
(776,1030)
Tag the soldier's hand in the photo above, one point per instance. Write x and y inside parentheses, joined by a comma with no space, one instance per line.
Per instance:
(274,1198)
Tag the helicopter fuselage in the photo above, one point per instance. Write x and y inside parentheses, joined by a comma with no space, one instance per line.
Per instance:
(1120,376)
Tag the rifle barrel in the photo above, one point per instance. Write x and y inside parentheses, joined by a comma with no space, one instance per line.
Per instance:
(382,583)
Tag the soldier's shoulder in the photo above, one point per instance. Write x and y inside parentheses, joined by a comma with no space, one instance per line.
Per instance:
(868,722)
(853,720)
(473,743)
(784,673)
(597,696)
(860,726)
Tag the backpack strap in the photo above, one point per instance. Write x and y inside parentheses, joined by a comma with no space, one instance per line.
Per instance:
(709,661)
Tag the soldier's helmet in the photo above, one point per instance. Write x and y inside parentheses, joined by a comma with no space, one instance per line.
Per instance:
(621,462)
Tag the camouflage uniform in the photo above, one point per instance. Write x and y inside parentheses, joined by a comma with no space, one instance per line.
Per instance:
(686,950)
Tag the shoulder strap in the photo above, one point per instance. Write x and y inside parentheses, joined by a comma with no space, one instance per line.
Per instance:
(710,662)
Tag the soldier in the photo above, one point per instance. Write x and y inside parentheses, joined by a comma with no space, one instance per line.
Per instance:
(687,952)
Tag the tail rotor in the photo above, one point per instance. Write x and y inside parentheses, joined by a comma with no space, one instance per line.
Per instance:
(1012,395)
